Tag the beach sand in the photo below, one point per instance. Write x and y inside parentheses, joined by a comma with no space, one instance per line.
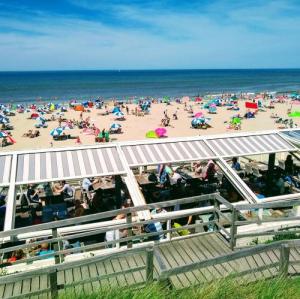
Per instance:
(135,127)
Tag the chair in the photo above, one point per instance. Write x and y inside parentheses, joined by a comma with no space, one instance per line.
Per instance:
(281,164)
(256,173)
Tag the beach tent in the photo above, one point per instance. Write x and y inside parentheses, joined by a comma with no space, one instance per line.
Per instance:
(161,132)
(34,115)
(151,134)
(79,108)
(52,107)
(294,114)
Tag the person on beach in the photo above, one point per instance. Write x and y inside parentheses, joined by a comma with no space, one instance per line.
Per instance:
(78,140)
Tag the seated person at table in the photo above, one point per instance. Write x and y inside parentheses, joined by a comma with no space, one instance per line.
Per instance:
(289,165)
(66,190)
(126,204)
(175,178)
(79,209)
(164,175)
(88,184)
(44,249)
(16,255)
(197,167)
(235,164)
(210,172)
(32,194)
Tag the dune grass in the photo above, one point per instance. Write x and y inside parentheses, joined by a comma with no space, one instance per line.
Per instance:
(221,289)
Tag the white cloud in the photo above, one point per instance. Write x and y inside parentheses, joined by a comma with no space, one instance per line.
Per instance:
(214,37)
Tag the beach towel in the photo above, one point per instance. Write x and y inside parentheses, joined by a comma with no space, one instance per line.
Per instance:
(250,105)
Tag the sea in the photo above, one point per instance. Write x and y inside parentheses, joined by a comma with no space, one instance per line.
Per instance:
(28,87)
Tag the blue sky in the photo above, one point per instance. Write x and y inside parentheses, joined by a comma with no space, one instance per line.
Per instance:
(136,34)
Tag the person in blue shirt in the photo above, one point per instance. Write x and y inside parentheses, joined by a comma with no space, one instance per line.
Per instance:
(235,164)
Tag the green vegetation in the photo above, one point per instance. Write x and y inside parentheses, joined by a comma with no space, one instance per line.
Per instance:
(221,289)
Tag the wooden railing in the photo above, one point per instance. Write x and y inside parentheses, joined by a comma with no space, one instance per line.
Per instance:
(217,207)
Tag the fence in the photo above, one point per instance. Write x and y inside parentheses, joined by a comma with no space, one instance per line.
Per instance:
(216,209)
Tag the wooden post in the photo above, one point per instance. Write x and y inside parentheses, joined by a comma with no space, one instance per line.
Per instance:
(129,229)
(149,264)
(233,229)
(118,185)
(270,172)
(56,246)
(169,235)
(284,260)
(216,215)
(53,285)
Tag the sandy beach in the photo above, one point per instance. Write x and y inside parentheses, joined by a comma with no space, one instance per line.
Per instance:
(135,127)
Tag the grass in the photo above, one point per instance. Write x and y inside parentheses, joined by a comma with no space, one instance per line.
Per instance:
(221,289)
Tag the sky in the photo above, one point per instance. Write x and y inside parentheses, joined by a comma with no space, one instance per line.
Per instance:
(140,34)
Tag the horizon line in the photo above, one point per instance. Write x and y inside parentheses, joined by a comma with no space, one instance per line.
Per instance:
(154,69)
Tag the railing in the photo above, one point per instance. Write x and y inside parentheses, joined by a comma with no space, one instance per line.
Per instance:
(282,262)
(217,206)
(55,229)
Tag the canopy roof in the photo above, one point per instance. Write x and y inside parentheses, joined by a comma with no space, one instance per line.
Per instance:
(249,145)
(100,160)
(5,168)
(23,167)
(68,164)
(164,152)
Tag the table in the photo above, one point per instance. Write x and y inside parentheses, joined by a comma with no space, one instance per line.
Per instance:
(143,180)
(259,166)
(104,185)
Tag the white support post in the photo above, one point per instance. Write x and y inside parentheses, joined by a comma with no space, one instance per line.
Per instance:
(133,188)
(11,198)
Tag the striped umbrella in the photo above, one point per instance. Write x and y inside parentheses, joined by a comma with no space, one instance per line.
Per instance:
(56,132)
(115,126)
(3,134)
(196,121)
(119,114)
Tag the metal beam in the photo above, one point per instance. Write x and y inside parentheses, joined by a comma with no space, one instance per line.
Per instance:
(11,197)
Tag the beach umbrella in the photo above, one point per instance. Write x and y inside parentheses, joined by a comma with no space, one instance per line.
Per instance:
(115,110)
(151,134)
(56,132)
(196,122)
(3,134)
(4,119)
(115,126)
(10,139)
(119,114)
(198,99)
(198,114)
(41,119)
(161,132)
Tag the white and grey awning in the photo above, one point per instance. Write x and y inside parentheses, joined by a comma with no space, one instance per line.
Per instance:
(166,152)
(68,164)
(249,145)
(5,168)
(292,135)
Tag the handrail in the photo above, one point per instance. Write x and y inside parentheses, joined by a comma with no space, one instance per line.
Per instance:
(103,215)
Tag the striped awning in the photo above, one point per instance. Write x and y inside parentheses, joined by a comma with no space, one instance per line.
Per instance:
(68,164)
(246,145)
(165,152)
(292,135)
(5,167)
